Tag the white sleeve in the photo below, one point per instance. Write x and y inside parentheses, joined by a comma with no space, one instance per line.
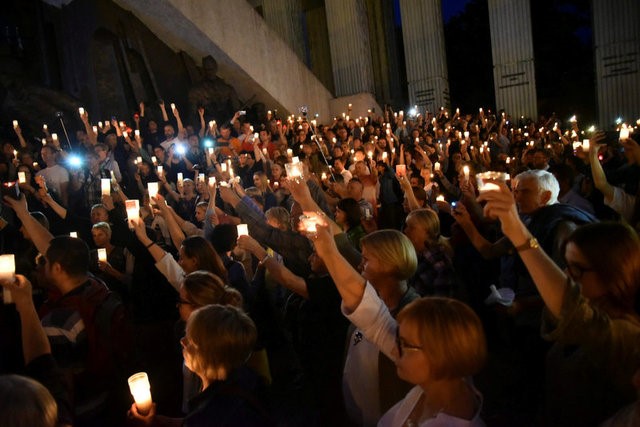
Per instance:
(623,203)
(372,317)
(170,269)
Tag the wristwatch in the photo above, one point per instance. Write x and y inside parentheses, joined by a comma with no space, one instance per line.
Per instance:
(531,243)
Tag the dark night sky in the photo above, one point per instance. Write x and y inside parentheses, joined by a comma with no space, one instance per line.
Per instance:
(450,8)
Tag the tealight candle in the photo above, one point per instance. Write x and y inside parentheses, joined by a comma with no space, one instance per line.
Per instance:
(141,392)
(102,255)
(7,272)
(22,178)
(243,230)
(105,185)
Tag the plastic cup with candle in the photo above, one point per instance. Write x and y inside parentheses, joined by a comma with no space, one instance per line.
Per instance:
(465,171)
(180,178)
(201,177)
(243,230)
(133,211)
(105,186)
(7,272)
(486,180)
(81,111)
(73,234)
(436,166)
(585,144)
(401,170)
(212,181)
(160,170)
(294,170)
(154,159)
(624,132)
(440,198)
(102,255)
(153,190)
(15,124)
(22,178)
(141,391)
(289,152)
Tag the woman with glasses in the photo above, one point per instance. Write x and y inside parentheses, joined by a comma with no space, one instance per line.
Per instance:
(589,315)
(437,344)
(219,340)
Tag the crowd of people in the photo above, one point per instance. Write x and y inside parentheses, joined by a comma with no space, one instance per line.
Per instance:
(432,269)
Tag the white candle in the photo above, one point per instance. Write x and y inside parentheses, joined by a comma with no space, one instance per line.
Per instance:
(489,186)
(465,170)
(141,392)
(384,155)
(289,152)
(136,133)
(122,124)
(54,137)
(401,170)
(229,168)
(243,230)
(212,181)
(264,151)
(45,127)
(223,167)
(180,178)
(585,144)
(466,134)
(15,124)
(7,272)
(154,160)
(173,106)
(160,170)
(436,166)
(99,125)
(95,129)
(102,255)
(295,160)
(81,111)
(22,178)
(153,190)
(73,234)
(370,154)
(211,123)
(125,134)
(133,211)
(105,184)
(440,198)
(139,159)
(201,177)
(210,151)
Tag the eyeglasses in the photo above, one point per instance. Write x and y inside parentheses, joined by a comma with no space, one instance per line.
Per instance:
(577,271)
(404,346)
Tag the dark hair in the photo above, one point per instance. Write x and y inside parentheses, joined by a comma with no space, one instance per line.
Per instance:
(223,238)
(26,402)
(207,258)
(352,210)
(72,254)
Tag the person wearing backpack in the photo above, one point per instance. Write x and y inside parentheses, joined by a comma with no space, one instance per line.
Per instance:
(86,324)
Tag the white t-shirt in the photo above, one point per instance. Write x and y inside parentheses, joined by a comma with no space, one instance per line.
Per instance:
(54,176)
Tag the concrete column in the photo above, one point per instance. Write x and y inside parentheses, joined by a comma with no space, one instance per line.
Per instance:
(285,18)
(512,49)
(350,50)
(616,33)
(425,55)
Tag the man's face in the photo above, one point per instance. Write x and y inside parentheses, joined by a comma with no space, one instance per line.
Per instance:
(169,133)
(539,161)
(99,214)
(338,165)
(527,196)
(101,152)
(201,213)
(354,190)
(159,152)
(225,132)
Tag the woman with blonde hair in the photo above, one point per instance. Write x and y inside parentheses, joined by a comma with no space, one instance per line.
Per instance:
(435,274)
(435,343)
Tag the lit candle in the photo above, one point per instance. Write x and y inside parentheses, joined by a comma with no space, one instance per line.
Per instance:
(54,137)
(73,234)
(264,151)
(22,178)
(370,154)
(488,186)
(95,129)
(15,124)
(211,123)
(585,144)
(624,132)
(436,166)
(295,160)
(180,178)
(160,170)
(99,125)
(154,160)
(45,127)
(384,155)
(139,159)
(211,151)
(466,134)
(323,176)
(212,181)
(136,133)
(230,169)
(440,198)
(7,272)
(141,392)
(201,177)
(223,167)
(125,134)
(81,111)
(289,152)
(133,211)
(173,106)
(401,170)
(465,170)
(102,255)
(105,185)
(153,189)
(243,230)
(122,124)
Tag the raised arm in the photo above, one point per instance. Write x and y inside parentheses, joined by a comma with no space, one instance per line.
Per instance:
(550,280)
(599,177)
(487,249)
(40,236)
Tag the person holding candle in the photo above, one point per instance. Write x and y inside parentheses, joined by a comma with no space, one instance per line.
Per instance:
(219,340)
(593,325)
(117,269)
(56,176)
(437,344)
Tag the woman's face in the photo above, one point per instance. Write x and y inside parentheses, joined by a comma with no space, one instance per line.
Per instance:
(185,306)
(580,270)
(412,364)
(416,233)
(189,265)
(373,267)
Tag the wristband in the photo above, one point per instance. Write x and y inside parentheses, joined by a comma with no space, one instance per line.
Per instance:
(150,244)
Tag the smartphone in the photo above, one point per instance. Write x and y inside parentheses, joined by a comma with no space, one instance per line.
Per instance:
(454,205)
